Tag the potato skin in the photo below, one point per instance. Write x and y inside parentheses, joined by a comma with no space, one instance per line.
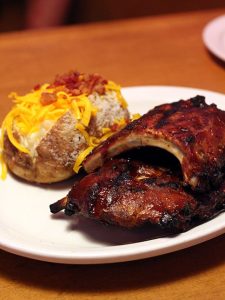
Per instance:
(55,154)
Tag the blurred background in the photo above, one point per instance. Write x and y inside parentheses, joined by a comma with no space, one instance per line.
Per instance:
(28,14)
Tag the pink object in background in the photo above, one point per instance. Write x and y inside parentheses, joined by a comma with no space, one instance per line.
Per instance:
(214,37)
(46,13)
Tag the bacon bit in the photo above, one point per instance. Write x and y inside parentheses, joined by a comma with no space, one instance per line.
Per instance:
(59,89)
(48,98)
(114,127)
(100,89)
(37,87)
(75,92)
(81,83)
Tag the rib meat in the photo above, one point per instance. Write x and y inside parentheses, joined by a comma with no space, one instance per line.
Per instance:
(131,193)
(191,130)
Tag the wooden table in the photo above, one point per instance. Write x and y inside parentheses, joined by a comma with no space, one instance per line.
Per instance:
(162,50)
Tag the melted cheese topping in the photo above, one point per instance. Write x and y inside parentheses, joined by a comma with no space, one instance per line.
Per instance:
(46,105)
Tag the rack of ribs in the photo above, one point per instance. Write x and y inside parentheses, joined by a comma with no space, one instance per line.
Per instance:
(191,130)
(128,192)
(131,193)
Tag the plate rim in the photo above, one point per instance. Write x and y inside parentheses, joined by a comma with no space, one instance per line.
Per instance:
(207,34)
(109,254)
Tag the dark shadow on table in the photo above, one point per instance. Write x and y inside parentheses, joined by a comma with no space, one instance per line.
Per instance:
(217,60)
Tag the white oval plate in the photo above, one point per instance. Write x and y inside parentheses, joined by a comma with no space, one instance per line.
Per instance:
(28,229)
(214,36)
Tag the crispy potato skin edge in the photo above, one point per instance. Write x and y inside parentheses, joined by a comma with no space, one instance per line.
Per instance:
(31,169)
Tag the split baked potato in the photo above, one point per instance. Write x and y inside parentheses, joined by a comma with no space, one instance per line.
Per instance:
(50,131)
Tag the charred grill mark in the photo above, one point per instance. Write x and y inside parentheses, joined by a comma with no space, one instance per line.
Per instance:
(173,185)
(190,139)
(161,123)
(149,181)
(207,182)
(71,209)
(169,184)
(164,120)
(168,221)
(136,189)
(187,210)
(176,222)
(121,178)
(133,124)
(198,101)
(59,205)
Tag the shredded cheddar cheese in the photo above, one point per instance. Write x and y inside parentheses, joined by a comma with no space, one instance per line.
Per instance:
(135,116)
(3,168)
(81,158)
(111,86)
(50,103)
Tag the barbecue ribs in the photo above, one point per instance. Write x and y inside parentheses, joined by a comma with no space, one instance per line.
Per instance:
(191,130)
(131,193)
(128,192)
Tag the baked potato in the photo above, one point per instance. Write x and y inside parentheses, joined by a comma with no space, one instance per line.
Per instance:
(50,131)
